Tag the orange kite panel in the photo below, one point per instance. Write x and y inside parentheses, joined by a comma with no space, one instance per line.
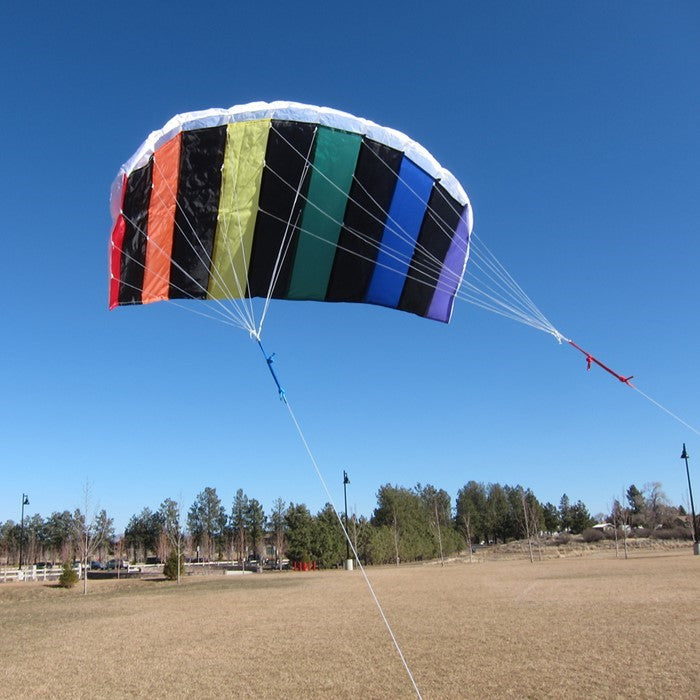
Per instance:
(161,221)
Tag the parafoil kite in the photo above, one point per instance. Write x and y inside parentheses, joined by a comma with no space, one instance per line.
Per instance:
(288,201)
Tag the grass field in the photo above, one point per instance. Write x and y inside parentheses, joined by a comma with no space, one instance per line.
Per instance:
(585,627)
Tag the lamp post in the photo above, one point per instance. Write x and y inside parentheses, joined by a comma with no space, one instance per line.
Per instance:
(696,543)
(25,502)
(348,561)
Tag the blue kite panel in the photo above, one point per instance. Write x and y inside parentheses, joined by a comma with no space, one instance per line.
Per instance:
(406,213)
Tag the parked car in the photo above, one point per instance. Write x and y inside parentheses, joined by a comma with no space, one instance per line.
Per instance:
(117,564)
(97,565)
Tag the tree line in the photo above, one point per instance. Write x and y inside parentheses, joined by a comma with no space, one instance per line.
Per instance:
(408,524)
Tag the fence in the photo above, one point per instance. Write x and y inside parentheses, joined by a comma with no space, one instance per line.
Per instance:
(34,573)
(52,573)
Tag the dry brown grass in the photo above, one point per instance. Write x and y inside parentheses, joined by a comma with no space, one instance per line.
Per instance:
(585,627)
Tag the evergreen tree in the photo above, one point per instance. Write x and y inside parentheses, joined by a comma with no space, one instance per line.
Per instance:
(58,529)
(471,509)
(515,519)
(328,539)
(551,518)
(142,533)
(174,566)
(403,511)
(363,540)
(497,512)
(255,522)
(68,577)
(377,544)
(438,507)
(565,513)
(104,527)
(34,537)
(9,540)
(635,499)
(579,518)
(299,525)
(206,521)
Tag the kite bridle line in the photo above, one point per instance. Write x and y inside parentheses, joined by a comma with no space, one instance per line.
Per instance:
(505,297)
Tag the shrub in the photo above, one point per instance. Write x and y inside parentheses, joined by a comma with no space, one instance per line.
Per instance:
(640,532)
(673,533)
(592,535)
(171,566)
(68,577)
(563,538)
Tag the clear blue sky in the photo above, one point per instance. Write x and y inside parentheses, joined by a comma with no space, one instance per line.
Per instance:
(572,126)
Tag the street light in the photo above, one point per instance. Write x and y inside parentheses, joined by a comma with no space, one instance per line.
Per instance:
(348,561)
(25,502)
(696,543)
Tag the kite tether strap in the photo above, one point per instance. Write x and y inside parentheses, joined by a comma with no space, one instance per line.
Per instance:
(590,359)
(270,359)
(626,380)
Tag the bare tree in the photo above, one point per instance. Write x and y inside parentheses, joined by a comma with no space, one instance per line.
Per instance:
(119,551)
(353,520)
(238,524)
(395,530)
(657,504)
(437,527)
(621,519)
(467,519)
(91,530)
(532,515)
(277,528)
(527,526)
(255,523)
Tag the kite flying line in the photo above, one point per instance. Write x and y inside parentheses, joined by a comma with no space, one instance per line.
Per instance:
(307,447)
(352,547)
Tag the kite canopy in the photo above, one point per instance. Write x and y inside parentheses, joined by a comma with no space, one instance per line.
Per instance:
(287,201)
